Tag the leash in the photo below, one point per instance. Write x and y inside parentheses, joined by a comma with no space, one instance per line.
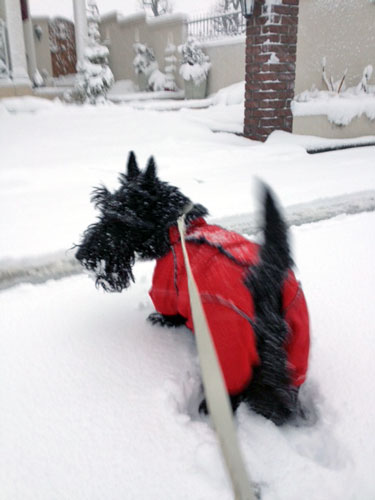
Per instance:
(214,385)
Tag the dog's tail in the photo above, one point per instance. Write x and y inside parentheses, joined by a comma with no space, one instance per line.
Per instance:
(269,392)
(274,253)
(266,278)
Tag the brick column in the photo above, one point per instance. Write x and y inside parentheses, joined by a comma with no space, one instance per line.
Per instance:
(271,46)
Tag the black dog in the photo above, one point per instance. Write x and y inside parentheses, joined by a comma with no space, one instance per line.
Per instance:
(254,306)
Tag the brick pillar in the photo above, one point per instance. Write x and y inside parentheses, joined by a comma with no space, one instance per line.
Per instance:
(271,46)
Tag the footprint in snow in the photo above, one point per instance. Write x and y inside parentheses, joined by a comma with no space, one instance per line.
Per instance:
(315,439)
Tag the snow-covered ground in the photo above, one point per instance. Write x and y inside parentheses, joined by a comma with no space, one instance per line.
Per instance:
(96,403)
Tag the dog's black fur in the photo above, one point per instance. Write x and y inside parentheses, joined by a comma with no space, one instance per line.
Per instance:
(135,220)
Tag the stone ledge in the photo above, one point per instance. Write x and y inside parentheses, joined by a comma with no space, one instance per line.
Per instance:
(12,90)
(319,125)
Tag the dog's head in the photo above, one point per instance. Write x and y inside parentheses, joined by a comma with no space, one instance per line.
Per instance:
(134,220)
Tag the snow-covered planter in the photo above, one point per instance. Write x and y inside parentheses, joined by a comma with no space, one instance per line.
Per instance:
(194,69)
(339,104)
(144,64)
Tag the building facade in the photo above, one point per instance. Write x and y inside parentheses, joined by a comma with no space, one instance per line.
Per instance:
(31,47)
(17,53)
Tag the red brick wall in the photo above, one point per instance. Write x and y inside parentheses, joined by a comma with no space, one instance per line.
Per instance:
(271,34)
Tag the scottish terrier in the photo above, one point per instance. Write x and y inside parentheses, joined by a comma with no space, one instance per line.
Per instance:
(254,305)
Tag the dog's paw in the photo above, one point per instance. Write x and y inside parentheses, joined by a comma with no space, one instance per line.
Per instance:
(168,321)
(155,318)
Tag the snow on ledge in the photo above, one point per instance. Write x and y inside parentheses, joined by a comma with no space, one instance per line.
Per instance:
(229,40)
(112,15)
(280,138)
(132,18)
(27,104)
(340,109)
(167,19)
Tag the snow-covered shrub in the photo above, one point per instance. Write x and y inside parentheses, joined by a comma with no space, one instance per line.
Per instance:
(363,85)
(144,61)
(94,77)
(195,65)
(157,81)
(170,67)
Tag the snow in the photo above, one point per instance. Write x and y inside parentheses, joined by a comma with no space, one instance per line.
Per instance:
(225,40)
(121,87)
(234,94)
(97,403)
(340,109)
(26,104)
(156,100)
(157,81)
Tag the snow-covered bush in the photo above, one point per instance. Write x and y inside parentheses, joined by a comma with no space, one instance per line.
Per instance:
(195,65)
(170,67)
(94,77)
(144,61)
(157,81)
(363,85)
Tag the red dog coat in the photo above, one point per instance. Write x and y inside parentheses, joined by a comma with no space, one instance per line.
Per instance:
(220,260)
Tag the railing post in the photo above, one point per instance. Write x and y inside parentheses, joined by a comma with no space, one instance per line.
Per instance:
(212,27)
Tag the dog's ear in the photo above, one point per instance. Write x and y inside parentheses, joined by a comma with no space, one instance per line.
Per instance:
(149,175)
(132,169)
(100,197)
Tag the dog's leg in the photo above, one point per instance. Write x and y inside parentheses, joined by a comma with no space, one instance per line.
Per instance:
(235,402)
(165,320)
(278,404)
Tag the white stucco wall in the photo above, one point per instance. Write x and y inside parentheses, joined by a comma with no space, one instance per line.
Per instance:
(2,10)
(341,30)
(228,62)
(120,34)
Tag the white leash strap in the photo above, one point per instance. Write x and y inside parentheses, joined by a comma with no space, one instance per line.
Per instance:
(215,390)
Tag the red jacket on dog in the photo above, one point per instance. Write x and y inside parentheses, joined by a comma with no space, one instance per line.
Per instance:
(220,260)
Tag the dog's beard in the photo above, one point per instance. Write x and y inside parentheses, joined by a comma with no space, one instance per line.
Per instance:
(106,254)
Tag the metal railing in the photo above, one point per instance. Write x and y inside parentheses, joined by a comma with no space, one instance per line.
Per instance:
(217,26)
(4,51)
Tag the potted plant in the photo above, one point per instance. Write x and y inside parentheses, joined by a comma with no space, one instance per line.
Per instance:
(194,69)
(144,64)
